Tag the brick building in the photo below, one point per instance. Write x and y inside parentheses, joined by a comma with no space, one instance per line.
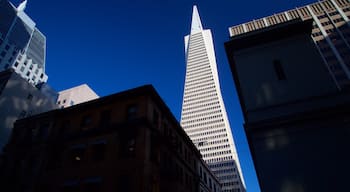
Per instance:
(128,141)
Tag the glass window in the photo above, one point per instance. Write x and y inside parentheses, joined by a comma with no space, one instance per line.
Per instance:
(132,112)
(279,70)
(85,121)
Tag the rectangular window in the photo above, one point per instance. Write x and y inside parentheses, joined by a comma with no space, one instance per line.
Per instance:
(105,118)
(92,184)
(85,121)
(131,112)
(128,144)
(98,151)
(279,70)
(155,118)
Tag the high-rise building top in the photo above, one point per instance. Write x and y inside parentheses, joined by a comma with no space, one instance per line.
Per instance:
(22,45)
(203,114)
(331,33)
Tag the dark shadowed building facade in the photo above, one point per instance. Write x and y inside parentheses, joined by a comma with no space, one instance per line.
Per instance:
(20,98)
(296,118)
(128,141)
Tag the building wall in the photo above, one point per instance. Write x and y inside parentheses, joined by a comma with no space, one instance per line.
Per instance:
(124,142)
(304,74)
(306,153)
(19,99)
(296,129)
(331,32)
(76,95)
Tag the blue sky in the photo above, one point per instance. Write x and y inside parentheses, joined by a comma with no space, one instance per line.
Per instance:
(117,45)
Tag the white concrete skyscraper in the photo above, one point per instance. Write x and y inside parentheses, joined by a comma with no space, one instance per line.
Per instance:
(22,45)
(203,114)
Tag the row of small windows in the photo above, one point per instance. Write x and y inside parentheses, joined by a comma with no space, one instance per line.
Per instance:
(193,53)
(200,92)
(201,97)
(230,183)
(207,123)
(209,138)
(198,73)
(195,42)
(201,110)
(218,159)
(208,133)
(194,56)
(189,131)
(228,177)
(201,106)
(190,75)
(205,109)
(216,147)
(225,171)
(196,37)
(215,142)
(201,119)
(193,104)
(209,77)
(196,63)
(190,116)
(196,48)
(281,17)
(199,69)
(198,77)
(200,82)
(225,164)
(201,64)
(231,190)
(216,153)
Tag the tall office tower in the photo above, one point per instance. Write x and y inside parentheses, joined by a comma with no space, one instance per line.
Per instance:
(331,33)
(22,45)
(203,114)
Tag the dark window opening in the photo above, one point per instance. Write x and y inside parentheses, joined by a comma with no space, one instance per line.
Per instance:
(71,186)
(92,184)
(44,130)
(279,70)
(155,118)
(98,151)
(85,121)
(124,183)
(132,112)
(30,97)
(105,118)
(128,145)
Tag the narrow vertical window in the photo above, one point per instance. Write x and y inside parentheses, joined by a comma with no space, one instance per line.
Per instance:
(279,70)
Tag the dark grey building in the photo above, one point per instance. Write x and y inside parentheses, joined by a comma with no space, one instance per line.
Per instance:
(296,119)
(330,32)
(19,99)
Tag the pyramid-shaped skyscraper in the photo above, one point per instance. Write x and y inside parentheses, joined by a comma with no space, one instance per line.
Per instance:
(203,114)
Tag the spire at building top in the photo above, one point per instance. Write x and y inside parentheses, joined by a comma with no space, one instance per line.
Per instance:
(196,21)
(22,6)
